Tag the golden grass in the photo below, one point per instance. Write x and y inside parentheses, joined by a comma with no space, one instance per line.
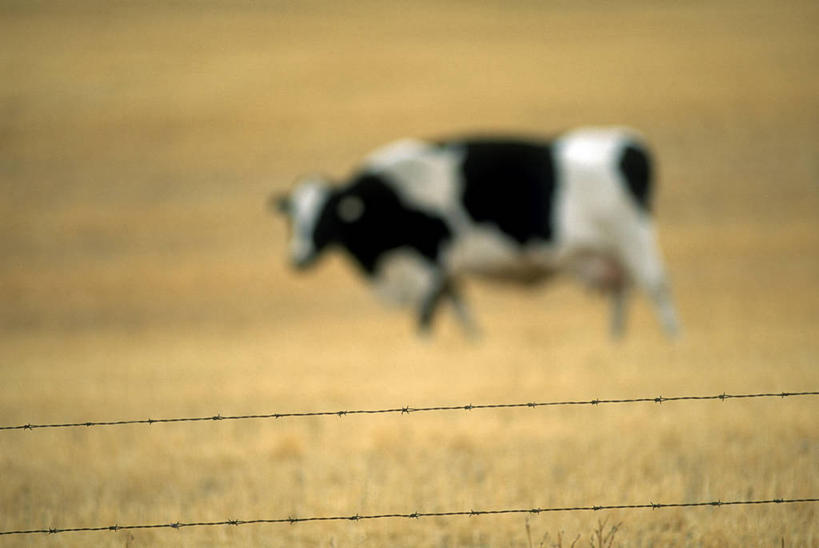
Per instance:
(142,277)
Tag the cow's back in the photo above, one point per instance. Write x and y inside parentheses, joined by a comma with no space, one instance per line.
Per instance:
(501,196)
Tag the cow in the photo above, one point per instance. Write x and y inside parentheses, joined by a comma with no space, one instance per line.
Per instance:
(419,215)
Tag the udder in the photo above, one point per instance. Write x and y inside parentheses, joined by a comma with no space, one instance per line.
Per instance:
(599,271)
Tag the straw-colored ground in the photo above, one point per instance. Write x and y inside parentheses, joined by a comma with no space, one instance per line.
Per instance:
(141,277)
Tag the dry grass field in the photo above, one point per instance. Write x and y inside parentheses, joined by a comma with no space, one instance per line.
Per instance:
(140,275)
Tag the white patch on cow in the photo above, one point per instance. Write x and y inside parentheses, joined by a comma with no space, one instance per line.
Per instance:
(394,152)
(403,277)
(595,146)
(306,203)
(350,209)
(481,250)
(486,251)
(591,200)
(423,174)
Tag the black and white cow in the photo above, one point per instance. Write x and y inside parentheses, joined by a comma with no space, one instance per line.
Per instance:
(418,215)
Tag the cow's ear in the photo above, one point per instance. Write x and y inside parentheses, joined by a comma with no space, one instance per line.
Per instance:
(279,203)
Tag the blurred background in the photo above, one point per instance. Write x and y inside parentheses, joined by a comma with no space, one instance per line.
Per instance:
(141,275)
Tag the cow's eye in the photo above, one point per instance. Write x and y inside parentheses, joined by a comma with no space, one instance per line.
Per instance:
(350,209)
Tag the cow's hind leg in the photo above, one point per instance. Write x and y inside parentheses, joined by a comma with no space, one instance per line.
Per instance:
(641,259)
(619,302)
(604,273)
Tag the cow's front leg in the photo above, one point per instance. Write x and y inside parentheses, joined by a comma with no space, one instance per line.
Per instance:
(445,288)
(430,303)
(462,311)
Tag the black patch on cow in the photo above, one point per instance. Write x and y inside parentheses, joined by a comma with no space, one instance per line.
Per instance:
(635,165)
(511,184)
(385,224)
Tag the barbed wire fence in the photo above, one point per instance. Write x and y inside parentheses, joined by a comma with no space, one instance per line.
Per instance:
(415,515)
(406,410)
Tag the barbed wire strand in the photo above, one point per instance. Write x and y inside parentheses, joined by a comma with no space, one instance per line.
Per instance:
(407,410)
(414,515)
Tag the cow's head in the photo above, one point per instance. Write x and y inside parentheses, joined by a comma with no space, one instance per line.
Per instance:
(305,208)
